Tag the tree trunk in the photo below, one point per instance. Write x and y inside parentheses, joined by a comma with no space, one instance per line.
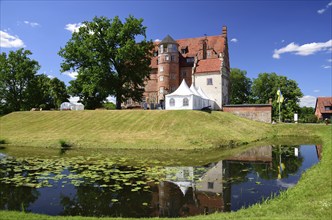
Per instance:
(118,101)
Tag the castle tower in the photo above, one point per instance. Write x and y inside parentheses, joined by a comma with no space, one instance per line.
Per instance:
(168,67)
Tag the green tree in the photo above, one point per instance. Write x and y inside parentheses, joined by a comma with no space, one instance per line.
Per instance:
(17,73)
(48,93)
(307,115)
(266,86)
(240,86)
(108,59)
(58,92)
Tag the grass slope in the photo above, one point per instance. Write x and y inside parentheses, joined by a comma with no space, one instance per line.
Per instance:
(130,129)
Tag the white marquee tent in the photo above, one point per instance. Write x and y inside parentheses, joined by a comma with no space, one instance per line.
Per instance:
(187,98)
(71,106)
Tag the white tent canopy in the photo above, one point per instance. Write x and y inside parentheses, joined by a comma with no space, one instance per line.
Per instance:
(71,106)
(186,98)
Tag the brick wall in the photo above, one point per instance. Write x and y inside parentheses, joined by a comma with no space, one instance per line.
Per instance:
(261,113)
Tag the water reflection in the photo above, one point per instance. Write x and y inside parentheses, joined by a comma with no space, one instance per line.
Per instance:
(226,185)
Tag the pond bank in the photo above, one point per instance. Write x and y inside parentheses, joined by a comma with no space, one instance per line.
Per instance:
(310,199)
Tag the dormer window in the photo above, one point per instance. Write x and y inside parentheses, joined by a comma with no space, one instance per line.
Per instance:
(184,49)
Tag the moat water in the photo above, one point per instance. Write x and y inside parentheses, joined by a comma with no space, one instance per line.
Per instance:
(100,186)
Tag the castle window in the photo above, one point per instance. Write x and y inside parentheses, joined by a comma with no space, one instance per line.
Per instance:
(161,69)
(190,59)
(210,185)
(209,81)
(161,48)
(172,58)
(185,102)
(166,57)
(161,78)
(161,90)
(155,53)
(172,102)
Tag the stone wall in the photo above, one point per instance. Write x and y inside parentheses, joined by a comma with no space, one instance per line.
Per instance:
(256,112)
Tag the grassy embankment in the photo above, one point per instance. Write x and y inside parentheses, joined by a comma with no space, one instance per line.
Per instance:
(130,129)
(310,199)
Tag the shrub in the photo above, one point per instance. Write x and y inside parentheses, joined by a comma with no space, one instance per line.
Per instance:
(64,144)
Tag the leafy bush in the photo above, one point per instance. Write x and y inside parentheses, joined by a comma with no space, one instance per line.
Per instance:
(109,105)
(64,144)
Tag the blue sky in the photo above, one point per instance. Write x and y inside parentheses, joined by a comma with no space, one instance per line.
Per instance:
(291,38)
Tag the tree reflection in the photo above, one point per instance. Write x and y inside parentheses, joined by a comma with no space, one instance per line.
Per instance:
(284,163)
(15,197)
(94,200)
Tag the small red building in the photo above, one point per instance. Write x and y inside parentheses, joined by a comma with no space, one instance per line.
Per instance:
(323,108)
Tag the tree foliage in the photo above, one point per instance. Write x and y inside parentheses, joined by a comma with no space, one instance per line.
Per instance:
(240,86)
(22,89)
(17,73)
(266,86)
(108,60)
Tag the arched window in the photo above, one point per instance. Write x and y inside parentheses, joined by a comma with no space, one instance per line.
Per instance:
(185,102)
(172,102)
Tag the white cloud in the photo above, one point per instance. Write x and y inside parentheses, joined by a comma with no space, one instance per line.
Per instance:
(303,50)
(308,101)
(32,24)
(329,60)
(326,66)
(73,27)
(157,40)
(234,40)
(72,75)
(321,11)
(316,90)
(10,41)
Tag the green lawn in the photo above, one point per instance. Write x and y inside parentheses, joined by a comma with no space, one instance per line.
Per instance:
(311,198)
(130,129)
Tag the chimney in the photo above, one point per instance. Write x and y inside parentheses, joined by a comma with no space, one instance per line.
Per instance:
(224,31)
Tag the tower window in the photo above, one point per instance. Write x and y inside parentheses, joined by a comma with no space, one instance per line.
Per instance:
(166,57)
(161,69)
(161,90)
(161,78)
(209,81)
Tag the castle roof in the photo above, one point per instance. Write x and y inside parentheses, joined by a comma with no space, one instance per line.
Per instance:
(168,40)
(208,65)
(193,46)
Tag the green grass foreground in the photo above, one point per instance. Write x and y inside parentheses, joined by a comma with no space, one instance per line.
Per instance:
(311,198)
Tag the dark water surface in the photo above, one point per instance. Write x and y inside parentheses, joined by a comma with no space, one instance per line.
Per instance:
(98,186)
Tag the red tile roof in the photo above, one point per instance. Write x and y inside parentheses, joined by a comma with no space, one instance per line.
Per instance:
(321,103)
(193,45)
(208,65)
